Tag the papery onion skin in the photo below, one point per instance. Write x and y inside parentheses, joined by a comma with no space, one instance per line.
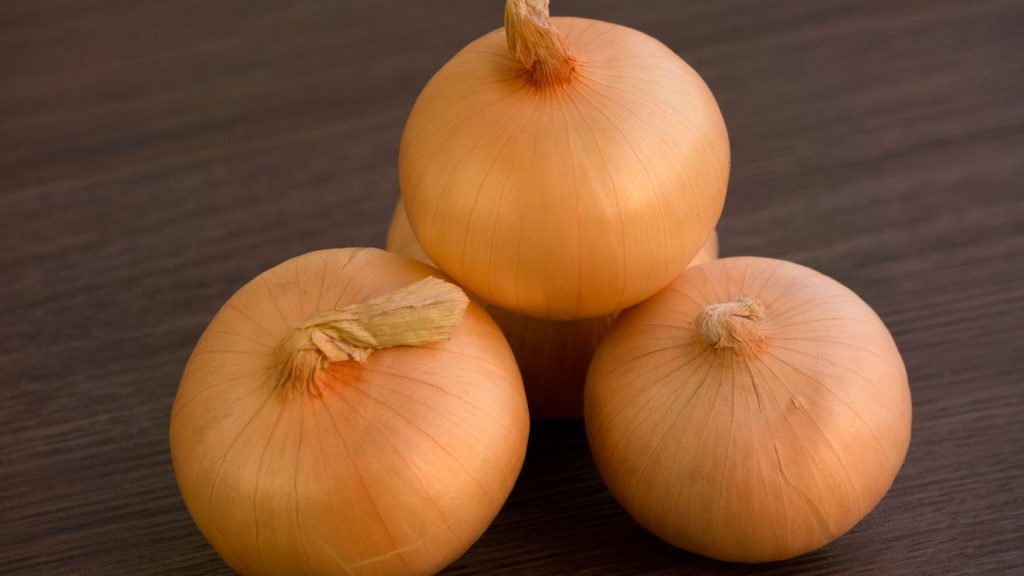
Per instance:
(402,240)
(396,466)
(761,452)
(570,200)
(553,355)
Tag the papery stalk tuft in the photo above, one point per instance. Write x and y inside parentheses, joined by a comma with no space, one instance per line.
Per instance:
(421,313)
(736,324)
(535,43)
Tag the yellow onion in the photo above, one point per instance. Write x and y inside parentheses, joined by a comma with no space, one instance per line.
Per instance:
(751,411)
(553,355)
(563,168)
(297,451)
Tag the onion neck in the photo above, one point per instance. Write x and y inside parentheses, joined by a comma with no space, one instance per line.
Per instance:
(735,325)
(536,44)
(421,313)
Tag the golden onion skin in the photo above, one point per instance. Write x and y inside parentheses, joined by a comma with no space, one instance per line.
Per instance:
(760,452)
(553,355)
(396,467)
(572,200)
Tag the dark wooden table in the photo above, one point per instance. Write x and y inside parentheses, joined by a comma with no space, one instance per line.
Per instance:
(156,155)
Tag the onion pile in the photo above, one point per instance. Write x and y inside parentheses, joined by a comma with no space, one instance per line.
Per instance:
(352,411)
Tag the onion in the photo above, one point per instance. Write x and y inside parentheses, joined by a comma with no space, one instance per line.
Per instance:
(401,240)
(564,168)
(298,452)
(553,355)
(751,411)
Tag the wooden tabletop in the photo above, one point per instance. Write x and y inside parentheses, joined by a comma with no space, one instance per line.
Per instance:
(154,156)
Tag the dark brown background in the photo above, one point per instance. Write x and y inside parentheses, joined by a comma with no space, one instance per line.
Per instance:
(156,155)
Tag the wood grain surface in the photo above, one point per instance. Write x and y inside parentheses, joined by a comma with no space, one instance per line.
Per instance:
(154,156)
